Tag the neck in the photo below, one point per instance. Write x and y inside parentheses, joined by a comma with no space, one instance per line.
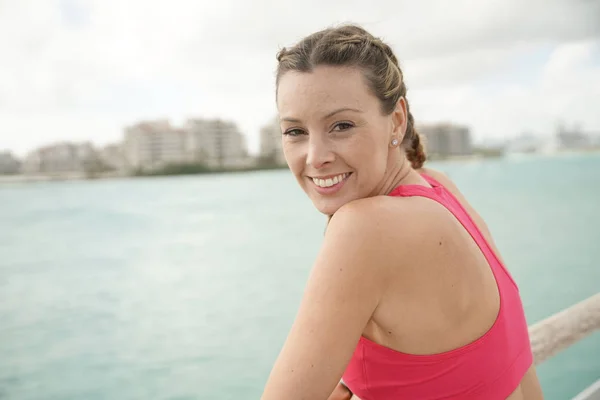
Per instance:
(401,174)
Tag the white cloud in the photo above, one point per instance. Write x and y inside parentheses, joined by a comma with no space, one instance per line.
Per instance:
(75,69)
(567,90)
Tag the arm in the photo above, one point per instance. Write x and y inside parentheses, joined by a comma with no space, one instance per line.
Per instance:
(342,293)
(341,392)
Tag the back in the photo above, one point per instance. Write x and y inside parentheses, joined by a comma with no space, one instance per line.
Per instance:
(453,327)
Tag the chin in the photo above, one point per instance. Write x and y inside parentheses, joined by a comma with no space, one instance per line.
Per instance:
(328,206)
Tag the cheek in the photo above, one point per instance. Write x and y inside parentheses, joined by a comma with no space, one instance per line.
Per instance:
(371,162)
(371,153)
(294,157)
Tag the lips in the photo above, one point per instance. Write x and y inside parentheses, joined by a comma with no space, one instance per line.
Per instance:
(330,184)
(330,181)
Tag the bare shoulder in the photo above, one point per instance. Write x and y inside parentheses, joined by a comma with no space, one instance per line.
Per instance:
(361,226)
(477,218)
(373,217)
(379,223)
(356,237)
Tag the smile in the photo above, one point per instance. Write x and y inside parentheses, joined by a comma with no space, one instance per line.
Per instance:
(330,184)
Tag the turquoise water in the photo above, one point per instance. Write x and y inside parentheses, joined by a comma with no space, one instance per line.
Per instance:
(185,288)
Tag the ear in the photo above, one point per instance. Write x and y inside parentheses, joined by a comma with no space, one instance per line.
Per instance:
(399,120)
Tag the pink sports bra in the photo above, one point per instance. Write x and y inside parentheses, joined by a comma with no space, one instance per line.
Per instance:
(489,368)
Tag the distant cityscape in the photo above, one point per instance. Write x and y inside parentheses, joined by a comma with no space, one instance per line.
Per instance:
(151,147)
(215,145)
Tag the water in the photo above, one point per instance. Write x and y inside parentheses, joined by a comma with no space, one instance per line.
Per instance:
(185,288)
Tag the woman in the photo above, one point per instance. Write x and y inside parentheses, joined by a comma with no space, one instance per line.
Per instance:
(408,298)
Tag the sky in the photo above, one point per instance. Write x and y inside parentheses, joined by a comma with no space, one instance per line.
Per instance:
(83,70)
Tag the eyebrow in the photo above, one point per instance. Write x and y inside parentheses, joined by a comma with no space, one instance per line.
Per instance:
(329,115)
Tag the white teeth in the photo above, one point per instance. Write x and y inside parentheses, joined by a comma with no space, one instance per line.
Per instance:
(330,181)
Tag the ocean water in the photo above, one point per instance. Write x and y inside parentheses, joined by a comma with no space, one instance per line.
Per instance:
(185,287)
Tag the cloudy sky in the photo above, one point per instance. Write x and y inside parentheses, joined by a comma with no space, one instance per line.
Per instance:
(84,69)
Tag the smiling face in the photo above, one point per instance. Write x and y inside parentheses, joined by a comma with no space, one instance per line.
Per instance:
(336,139)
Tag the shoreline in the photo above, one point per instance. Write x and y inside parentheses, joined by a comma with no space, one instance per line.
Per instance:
(81,176)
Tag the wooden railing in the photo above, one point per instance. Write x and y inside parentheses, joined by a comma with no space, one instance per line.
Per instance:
(562,330)
(565,328)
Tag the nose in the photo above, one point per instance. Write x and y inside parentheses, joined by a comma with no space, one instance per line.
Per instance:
(320,153)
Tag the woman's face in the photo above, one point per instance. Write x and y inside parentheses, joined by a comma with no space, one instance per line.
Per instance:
(336,140)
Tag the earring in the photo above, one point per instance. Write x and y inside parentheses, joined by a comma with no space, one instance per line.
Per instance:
(394,142)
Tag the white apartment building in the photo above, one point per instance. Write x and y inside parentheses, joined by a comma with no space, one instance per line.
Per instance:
(216,143)
(153,144)
(270,143)
(445,139)
(59,158)
(112,156)
(9,164)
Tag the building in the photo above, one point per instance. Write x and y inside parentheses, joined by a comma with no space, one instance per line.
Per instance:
(153,144)
(9,165)
(32,163)
(60,158)
(215,143)
(572,138)
(527,143)
(112,157)
(270,144)
(445,139)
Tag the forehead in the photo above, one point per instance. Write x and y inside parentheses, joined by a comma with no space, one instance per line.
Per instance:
(323,89)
